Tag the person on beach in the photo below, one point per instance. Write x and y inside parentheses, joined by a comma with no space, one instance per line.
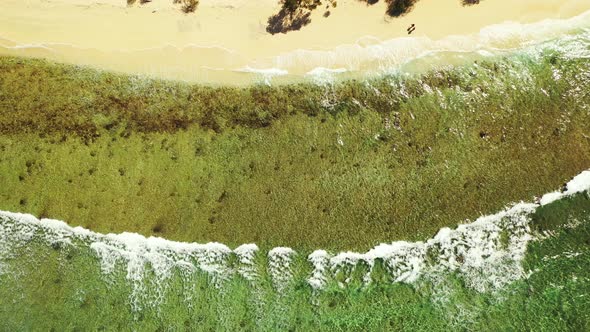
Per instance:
(411,28)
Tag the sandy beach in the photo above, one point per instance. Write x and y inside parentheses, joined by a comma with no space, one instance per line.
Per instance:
(226,42)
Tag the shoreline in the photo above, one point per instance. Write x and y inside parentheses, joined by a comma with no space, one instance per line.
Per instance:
(350,160)
(202,47)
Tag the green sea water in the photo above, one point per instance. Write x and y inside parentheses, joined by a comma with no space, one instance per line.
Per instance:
(54,277)
(504,272)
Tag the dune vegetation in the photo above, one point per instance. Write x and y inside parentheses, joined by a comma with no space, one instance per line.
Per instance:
(343,166)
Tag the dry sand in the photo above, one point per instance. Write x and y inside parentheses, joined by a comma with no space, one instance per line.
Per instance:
(225,41)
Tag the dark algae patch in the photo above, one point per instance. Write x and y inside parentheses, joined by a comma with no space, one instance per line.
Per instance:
(344,166)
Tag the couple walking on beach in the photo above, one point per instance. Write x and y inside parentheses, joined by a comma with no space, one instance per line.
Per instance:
(411,28)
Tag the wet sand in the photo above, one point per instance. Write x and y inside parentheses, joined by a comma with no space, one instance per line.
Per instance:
(225,41)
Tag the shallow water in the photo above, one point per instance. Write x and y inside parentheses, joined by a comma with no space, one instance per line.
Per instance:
(150,273)
(48,266)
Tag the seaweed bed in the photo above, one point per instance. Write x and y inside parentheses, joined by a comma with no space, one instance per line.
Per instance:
(344,166)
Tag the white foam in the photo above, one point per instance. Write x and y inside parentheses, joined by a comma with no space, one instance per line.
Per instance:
(578,184)
(404,260)
(134,251)
(476,250)
(389,56)
(265,73)
(322,75)
(30,46)
(246,255)
(320,260)
(486,253)
(319,71)
(550,197)
(279,267)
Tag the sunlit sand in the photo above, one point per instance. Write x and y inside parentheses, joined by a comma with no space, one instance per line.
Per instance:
(226,42)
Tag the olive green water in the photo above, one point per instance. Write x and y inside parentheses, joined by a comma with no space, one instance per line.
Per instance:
(342,166)
(62,287)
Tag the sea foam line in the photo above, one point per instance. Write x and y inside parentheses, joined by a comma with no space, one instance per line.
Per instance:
(486,252)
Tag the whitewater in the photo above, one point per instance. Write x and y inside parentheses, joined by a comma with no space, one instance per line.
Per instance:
(487,253)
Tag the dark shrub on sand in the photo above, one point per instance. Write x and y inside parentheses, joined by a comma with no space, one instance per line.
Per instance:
(398,8)
(188,6)
(294,15)
(470,2)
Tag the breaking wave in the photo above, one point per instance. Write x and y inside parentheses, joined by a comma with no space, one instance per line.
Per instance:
(487,253)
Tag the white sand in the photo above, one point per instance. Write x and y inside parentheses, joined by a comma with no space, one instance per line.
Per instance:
(223,37)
